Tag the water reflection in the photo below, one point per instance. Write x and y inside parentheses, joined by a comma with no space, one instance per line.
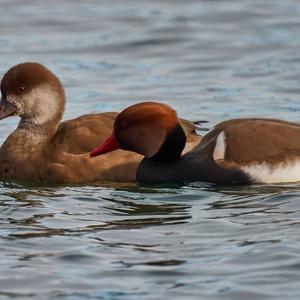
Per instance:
(120,210)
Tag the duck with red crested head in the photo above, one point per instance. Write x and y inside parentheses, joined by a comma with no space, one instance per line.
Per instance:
(239,151)
(43,148)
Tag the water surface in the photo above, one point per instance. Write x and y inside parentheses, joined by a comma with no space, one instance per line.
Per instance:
(211,60)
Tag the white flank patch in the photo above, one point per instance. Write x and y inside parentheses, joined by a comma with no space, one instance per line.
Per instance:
(220,147)
(283,172)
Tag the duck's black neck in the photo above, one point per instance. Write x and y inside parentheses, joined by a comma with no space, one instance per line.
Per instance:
(172,147)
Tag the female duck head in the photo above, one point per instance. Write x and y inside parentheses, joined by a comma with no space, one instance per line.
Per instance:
(33,92)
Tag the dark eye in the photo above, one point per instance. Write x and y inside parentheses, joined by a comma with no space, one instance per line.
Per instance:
(22,88)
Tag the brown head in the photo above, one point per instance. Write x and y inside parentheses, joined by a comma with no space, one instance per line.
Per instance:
(148,128)
(33,92)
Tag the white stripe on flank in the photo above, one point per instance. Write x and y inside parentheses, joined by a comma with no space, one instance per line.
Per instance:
(266,173)
(219,152)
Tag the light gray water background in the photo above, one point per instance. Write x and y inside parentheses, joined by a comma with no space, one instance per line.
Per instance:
(211,60)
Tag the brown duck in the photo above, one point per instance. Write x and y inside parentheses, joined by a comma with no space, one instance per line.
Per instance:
(240,151)
(46,150)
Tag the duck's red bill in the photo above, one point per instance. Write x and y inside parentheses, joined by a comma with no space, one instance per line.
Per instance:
(109,145)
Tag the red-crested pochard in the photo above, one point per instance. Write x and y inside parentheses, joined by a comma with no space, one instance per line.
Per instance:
(240,151)
(44,149)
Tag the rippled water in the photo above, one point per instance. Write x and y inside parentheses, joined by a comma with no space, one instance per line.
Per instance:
(211,60)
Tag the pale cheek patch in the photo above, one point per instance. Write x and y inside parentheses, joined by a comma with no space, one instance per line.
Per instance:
(44,103)
(11,99)
(219,152)
(283,172)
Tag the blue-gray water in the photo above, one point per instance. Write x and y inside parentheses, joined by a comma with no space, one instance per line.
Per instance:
(211,60)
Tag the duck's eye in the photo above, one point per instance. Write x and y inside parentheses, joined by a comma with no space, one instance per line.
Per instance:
(22,88)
